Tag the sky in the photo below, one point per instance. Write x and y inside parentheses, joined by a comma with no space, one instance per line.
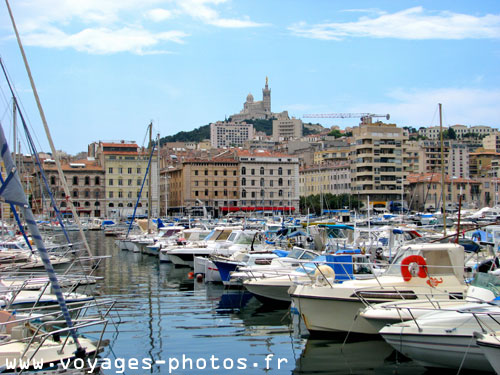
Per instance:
(105,69)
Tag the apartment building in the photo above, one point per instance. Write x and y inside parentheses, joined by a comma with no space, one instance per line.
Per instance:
(333,178)
(377,173)
(86,184)
(125,166)
(286,128)
(203,183)
(268,181)
(425,192)
(230,134)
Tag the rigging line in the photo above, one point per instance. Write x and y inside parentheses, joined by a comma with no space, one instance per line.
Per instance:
(19,104)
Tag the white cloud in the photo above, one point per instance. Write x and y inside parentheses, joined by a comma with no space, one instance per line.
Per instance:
(413,23)
(466,106)
(200,9)
(159,14)
(110,26)
(105,41)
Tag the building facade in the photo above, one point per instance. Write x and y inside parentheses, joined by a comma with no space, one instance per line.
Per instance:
(125,166)
(377,173)
(268,181)
(230,134)
(286,128)
(333,178)
(86,184)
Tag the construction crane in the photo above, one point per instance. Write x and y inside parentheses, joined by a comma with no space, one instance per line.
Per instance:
(366,118)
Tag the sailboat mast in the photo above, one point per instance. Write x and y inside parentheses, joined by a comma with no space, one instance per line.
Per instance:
(443,193)
(149,178)
(158,177)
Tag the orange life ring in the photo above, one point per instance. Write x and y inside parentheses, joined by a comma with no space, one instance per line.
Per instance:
(422,269)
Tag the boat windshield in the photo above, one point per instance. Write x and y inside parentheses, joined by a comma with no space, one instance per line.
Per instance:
(243,239)
(487,281)
(298,253)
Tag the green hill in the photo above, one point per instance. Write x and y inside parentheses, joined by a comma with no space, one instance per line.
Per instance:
(203,132)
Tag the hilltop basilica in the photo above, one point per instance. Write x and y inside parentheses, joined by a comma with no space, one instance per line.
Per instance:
(255,110)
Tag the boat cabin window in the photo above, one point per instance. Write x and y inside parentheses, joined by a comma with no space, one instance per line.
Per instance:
(244,239)
(223,235)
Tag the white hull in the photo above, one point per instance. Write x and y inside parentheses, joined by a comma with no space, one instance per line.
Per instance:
(331,315)
(434,350)
(273,289)
(490,346)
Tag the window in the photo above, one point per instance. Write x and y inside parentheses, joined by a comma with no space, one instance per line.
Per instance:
(225,182)
(87,194)
(110,182)
(206,172)
(280,171)
(87,180)
(243,170)
(215,183)
(252,172)
(110,170)
(75,180)
(243,193)
(243,181)
(289,172)
(280,181)
(120,182)
(262,193)
(261,171)
(97,180)
(129,194)
(225,172)
(120,170)
(196,173)
(129,171)
(75,193)
(271,183)
(97,194)
(196,193)
(138,182)
(280,193)
(120,194)
(129,182)
(261,182)
(138,170)
(52,180)
(110,194)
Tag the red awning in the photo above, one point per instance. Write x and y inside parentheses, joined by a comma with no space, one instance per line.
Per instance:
(257,208)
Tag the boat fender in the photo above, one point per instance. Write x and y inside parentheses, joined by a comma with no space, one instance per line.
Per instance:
(408,270)
(322,273)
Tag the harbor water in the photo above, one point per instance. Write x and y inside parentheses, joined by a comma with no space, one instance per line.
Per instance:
(164,323)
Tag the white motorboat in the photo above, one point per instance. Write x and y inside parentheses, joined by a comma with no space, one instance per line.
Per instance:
(418,271)
(216,242)
(484,288)
(445,338)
